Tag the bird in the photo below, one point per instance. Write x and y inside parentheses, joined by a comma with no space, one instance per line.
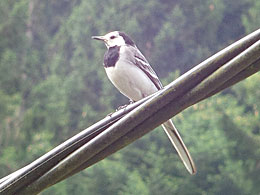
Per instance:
(130,72)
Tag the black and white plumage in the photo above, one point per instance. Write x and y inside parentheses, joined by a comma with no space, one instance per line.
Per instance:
(130,72)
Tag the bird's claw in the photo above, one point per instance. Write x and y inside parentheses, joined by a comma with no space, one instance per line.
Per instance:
(124,106)
(131,101)
(121,107)
(110,114)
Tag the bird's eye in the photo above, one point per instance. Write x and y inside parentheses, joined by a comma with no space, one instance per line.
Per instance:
(112,37)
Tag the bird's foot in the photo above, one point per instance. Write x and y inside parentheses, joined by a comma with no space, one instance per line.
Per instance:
(124,106)
(110,114)
(121,107)
(131,102)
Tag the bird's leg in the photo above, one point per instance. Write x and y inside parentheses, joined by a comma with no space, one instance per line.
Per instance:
(121,107)
(124,106)
(131,101)
(110,114)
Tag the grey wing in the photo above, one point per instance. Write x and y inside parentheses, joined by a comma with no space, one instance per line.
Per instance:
(143,64)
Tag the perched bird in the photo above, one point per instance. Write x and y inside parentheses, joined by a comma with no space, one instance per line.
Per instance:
(130,72)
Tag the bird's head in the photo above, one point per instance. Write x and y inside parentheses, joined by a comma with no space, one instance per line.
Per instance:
(115,38)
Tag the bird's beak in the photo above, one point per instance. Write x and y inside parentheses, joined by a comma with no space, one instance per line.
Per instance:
(101,38)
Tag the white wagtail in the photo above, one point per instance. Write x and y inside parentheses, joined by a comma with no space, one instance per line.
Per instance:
(130,72)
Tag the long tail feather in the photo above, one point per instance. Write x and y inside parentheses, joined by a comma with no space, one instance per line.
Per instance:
(179,145)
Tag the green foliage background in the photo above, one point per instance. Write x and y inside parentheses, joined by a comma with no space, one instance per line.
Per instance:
(52,85)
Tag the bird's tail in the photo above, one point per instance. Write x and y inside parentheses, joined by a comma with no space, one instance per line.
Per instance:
(179,145)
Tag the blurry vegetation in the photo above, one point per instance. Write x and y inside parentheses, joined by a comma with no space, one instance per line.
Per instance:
(52,85)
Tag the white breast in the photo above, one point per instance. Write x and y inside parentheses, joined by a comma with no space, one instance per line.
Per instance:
(130,80)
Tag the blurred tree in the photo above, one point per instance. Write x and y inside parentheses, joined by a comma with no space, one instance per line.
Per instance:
(250,18)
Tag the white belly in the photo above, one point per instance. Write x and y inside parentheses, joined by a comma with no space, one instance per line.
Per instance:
(131,81)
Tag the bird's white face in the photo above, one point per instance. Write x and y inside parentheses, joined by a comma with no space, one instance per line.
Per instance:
(111,39)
